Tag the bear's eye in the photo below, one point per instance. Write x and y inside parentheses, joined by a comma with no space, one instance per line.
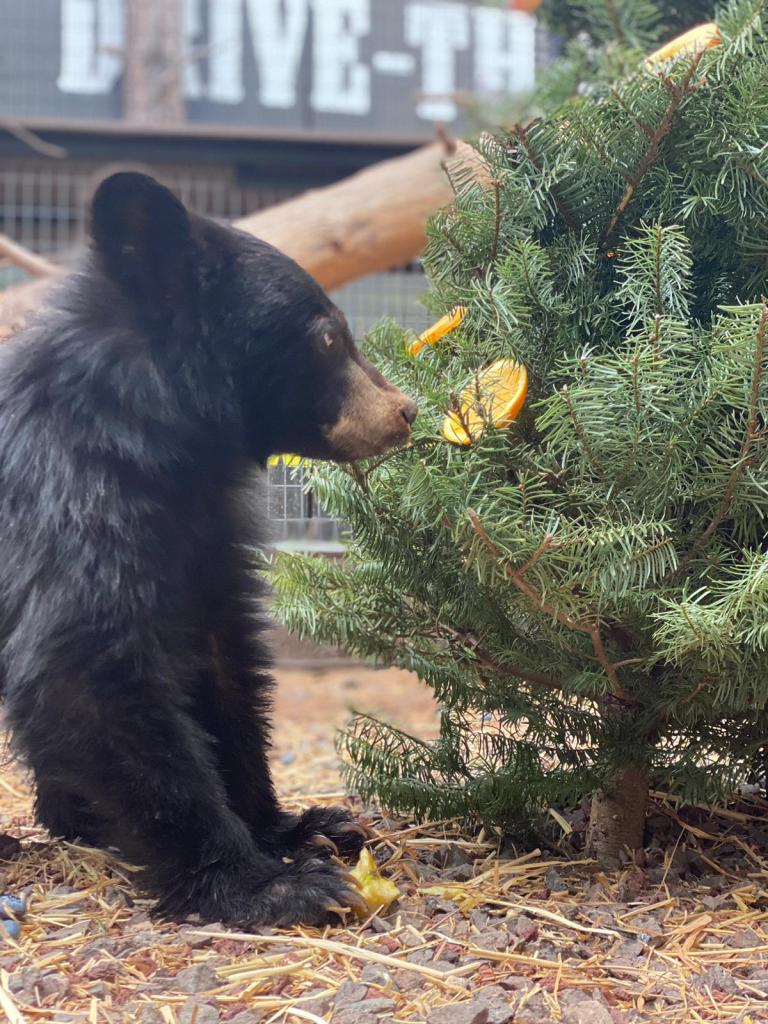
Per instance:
(328,339)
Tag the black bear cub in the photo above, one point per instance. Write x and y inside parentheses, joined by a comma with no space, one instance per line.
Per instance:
(181,353)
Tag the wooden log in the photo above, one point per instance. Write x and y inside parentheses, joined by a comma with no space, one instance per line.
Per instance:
(372,221)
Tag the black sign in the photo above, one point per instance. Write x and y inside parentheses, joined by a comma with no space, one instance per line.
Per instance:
(389,68)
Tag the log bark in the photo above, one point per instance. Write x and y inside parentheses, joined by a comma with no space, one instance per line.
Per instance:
(372,221)
(153,82)
(617,815)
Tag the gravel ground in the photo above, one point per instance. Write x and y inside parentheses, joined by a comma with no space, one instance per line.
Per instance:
(477,936)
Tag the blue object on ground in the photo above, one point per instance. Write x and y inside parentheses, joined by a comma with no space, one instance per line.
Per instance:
(10,930)
(12,908)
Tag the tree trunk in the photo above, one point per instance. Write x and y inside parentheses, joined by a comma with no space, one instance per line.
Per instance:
(617,816)
(374,220)
(153,82)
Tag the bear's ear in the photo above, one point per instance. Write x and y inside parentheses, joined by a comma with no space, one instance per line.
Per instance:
(143,234)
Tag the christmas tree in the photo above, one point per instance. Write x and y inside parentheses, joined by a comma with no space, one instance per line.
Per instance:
(582,578)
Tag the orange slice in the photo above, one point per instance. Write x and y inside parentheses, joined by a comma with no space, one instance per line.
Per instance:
(693,41)
(495,396)
(438,330)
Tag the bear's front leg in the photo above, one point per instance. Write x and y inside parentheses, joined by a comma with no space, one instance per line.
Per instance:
(232,704)
(125,744)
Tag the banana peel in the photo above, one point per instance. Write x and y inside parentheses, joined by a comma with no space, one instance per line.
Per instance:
(378,892)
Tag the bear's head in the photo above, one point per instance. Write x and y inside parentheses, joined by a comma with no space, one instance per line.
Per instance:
(252,319)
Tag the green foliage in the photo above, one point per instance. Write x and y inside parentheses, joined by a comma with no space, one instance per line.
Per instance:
(589,586)
(641,24)
(602,40)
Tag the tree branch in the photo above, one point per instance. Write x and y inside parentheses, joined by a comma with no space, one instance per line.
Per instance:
(521,134)
(677,93)
(590,628)
(751,435)
(17,254)
(31,139)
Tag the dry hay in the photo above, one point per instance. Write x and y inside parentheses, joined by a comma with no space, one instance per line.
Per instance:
(527,937)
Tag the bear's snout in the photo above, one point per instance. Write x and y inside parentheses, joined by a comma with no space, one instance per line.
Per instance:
(409,410)
(374,416)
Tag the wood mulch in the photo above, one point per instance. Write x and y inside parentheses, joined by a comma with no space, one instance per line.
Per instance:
(477,937)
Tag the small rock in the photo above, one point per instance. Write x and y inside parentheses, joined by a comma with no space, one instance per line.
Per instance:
(10,847)
(715,883)
(24,982)
(197,978)
(143,1013)
(54,984)
(367,1010)
(70,931)
(437,905)
(515,983)
(106,944)
(715,979)
(350,992)
(247,1017)
(138,920)
(461,873)
(480,920)
(451,954)
(317,1001)
(196,1012)
(454,855)
(190,934)
(554,881)
(472,1012)
(377,1004)
(631,885)
(744,938)
(117,896)
(650,927)
(492,938)
(375,974)
(595,893)
(496,1000)
(631,948)
(587,1012)
(525,928)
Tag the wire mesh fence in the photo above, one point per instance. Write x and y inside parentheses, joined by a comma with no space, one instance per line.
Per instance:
(42,207)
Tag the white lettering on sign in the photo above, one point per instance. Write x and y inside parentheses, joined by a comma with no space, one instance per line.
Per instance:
(225,52)
(278,43)
(223,38)
(440,30)
(505,51)
(91,46)
(342,84)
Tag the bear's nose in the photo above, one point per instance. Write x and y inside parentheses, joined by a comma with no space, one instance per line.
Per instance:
(409,411)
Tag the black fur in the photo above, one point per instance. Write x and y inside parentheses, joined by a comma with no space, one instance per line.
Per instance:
(135,680)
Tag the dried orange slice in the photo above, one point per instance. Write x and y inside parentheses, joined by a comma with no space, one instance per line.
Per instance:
(495,396)
(692,41)
(438,330)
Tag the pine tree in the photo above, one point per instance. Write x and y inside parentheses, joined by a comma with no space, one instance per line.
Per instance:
(586,589)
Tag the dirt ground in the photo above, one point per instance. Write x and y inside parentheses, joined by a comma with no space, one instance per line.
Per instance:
(531,937)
